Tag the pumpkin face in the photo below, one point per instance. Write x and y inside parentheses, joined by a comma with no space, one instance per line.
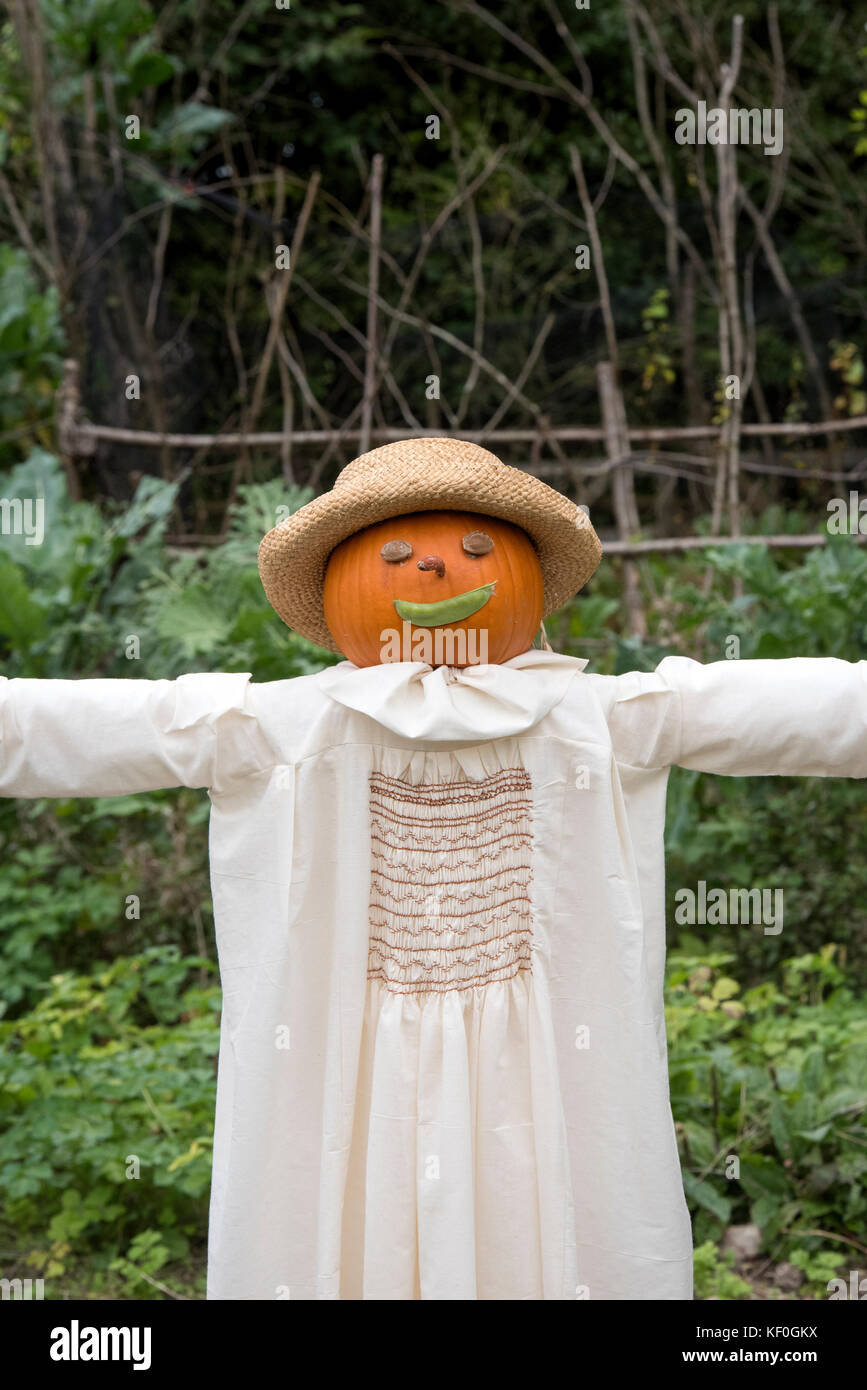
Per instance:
(448,588)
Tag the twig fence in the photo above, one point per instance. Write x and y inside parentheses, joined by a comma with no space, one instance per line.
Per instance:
(78,438)
(721,466)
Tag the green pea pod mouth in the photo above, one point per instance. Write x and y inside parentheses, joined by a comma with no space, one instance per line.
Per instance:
(446,610)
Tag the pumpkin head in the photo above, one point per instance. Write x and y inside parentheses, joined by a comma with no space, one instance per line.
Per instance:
(448,588)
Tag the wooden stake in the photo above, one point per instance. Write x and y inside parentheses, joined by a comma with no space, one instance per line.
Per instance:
(372,292)
(617,448)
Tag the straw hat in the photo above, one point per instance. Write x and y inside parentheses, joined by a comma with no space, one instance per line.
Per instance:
(421,475)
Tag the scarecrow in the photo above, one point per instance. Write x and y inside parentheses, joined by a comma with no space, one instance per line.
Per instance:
(438,892)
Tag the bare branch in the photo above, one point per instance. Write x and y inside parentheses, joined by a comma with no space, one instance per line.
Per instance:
(283,284)
(373,289)
(601,127)
(598,258)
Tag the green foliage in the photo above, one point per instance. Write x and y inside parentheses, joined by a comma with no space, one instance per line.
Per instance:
(714,1276)
(31,348)
(775,1079)
(814,607)
(849,363)
(118,36)
(44,901)
(212,607)
(656,358)
(107,1088)
(820,1267)
(72,603)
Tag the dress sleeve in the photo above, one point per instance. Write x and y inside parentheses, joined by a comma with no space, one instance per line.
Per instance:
(802,717)
(113,737)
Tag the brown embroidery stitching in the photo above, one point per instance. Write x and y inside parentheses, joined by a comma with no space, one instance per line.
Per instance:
(450,910)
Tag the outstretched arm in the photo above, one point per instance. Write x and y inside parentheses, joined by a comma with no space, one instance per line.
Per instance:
(112,737)
(802,717)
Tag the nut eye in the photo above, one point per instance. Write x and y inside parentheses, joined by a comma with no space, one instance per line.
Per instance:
(477,543)
(396,550)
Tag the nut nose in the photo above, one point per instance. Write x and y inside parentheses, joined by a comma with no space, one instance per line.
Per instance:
(433,562)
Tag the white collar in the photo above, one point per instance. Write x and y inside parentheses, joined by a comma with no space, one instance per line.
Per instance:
(446,704)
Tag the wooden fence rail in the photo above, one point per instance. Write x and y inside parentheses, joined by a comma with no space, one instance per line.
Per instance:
(84,432)
(78,437)
(634,548)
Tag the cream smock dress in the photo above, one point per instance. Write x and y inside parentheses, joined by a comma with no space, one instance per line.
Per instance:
(439,905)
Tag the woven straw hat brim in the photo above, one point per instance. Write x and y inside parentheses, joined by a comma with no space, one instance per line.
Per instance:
(419,475)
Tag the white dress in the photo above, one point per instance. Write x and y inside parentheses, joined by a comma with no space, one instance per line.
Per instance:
(439,906)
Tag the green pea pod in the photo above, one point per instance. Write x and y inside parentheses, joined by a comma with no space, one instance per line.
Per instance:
(446,610)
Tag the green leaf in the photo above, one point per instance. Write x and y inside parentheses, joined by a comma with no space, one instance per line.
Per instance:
(705,1195)
(22,620)
(725,988)
(153,503)
(195,620)
(189,124)
(150,70)
(814,1135)
(763,1176)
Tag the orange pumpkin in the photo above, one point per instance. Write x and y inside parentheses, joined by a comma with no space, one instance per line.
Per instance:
(449,588)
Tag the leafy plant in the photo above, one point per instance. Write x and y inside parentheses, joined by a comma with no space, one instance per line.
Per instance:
(769,1097)
(31,347)
(820,1266)
(103,1086)
(713,1274)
